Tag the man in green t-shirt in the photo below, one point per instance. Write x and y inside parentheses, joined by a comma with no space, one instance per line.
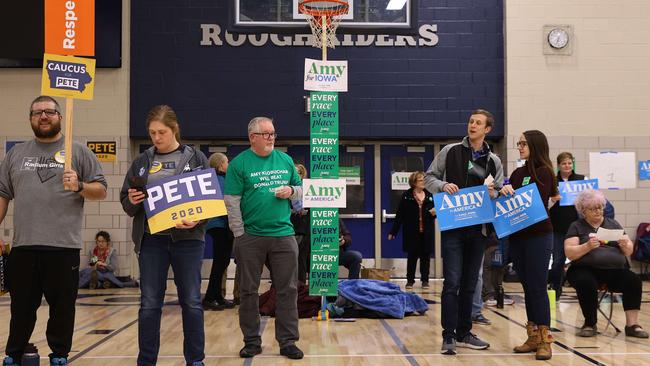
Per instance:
(259,183)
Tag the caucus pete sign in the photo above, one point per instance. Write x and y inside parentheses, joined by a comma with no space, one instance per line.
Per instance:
(469,206)
(67,76)
(191,196)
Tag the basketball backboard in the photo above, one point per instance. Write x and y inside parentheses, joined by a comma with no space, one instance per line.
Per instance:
(362,14)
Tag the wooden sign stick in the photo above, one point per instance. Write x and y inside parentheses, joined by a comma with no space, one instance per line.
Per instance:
(69,105)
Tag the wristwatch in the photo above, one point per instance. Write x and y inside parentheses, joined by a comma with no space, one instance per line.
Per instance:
(81,187)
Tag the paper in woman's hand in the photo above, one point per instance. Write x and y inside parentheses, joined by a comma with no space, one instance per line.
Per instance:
(607,235)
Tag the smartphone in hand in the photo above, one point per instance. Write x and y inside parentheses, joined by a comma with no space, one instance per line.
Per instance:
(138,184)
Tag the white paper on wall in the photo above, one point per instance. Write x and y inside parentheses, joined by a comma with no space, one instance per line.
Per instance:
(614,170)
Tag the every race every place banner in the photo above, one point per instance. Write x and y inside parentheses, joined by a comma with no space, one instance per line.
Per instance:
(190,196)
(325,193)
(518,211)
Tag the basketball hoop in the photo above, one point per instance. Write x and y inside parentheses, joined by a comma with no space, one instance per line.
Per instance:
(324,18)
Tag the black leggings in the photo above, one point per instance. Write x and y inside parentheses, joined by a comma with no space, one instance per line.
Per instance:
(418,252)
(222,240)
(587,280)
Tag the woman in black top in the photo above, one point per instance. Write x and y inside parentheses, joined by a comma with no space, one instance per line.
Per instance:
(594,263)
(531,247)
(561,217)
(417,213)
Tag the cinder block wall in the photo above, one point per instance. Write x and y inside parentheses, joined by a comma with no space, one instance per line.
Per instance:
(595,99)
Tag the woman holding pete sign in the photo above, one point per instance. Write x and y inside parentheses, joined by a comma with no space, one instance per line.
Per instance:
(531,247)
(181,246)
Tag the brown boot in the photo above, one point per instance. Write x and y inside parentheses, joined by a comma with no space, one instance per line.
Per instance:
(544,347)
(533,339)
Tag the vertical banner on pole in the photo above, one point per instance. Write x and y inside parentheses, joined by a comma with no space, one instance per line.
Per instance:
(69,30)
(324,163)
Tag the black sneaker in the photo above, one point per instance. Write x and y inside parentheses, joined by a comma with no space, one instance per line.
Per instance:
(212,306)
(472,341)
(448,346)
(292,352)
(481,319)
(250,350)
(227,304)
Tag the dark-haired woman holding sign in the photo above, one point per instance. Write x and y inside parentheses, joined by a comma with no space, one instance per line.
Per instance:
(531,247)
(181,247)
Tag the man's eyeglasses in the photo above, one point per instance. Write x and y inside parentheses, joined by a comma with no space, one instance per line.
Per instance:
(266,135)
(522,144)
(48,112)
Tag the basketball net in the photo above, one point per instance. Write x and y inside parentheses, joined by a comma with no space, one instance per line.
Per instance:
(324,17)
(325,24)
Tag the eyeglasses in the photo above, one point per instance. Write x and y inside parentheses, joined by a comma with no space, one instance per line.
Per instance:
(595,209)
(266,135)
(522,144)
(39,112)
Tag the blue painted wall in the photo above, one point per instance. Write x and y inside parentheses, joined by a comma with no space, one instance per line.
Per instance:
(394,92)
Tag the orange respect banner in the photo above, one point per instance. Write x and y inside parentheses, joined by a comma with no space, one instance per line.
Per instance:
(70,27)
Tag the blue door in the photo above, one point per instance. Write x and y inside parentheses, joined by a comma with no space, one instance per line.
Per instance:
(397,158)
(358,215)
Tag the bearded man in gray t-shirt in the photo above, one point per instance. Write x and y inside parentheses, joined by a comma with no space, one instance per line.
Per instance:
(48,212)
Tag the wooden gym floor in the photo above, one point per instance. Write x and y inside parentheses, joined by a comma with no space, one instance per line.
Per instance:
(106,334)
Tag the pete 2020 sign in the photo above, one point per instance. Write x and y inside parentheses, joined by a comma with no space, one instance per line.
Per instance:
(190,196)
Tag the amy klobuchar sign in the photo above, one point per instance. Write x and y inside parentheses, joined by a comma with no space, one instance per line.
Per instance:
(518,211)
(469,206)
(569,190)
(190,196)
(473,206)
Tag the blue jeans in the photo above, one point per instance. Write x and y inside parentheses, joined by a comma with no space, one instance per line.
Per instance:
(530,257)
(102,275)
(462,256)
(157,253)
(351,259)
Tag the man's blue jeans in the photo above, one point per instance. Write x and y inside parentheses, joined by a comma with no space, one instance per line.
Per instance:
(462,256)
(157,253)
